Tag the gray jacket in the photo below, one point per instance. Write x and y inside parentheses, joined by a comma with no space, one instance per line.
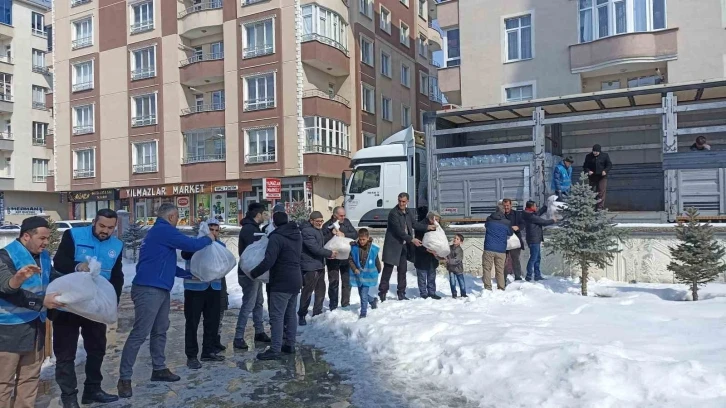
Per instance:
(313,254)
(455,260)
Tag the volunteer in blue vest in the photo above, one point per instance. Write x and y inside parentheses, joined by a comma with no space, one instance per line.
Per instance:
(150,292)
(76,247)
(202,299)
(25,270)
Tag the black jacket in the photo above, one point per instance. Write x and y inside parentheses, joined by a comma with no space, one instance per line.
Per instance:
(423,259)
(313,254)
(597,164)
(516,219)
(347,228)
(282,259)
(247,233)
(535,222)
(399,232)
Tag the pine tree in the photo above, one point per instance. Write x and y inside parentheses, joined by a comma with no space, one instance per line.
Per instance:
(699,258)
(132,238)
(298,211)
(55,237)
(586,237)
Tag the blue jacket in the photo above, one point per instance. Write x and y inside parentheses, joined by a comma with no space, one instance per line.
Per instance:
(157,255)
(498,230)
(368,275)
(562,178)
(193,283)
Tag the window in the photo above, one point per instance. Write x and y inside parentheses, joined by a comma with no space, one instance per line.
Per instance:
(83,76)
(204,145)
(218,100)
(385,20)
(40,132)
(75,3)
(259,39)
(368,94)
(386,109)
(142,17)
(145,157)
(423,83)
(452,52)
(644,81)
(366,51)
(365,178)
(366,8)
(39,97)
(37,22)
(609,85)
(260,92)
(83,120)
(40,170)
(404,34)
(39,62)
(6,87)
(260,145)
(434,91)
(518,42)
(6,12)
(602,18)
(143,63)
(405,116)
(143,110)
(324,135)
(423,46)
(82,33)
(422,9)
(328,27)
(405,76)
(369,139)
(404,2)
(519,93)
(385,64)
(85,164)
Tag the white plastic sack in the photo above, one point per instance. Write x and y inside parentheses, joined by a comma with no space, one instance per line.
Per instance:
(340,244)
(213,261)
(253,256)
(87,294)
(554,207)
(436,241)
(513,243)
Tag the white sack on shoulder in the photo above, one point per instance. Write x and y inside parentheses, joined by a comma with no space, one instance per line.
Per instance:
(211,262)
(87,294)
(253,256)
(437,242)
(554,207)
(513,242)
(341,245)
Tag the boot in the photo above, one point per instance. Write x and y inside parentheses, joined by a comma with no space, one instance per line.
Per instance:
(383,297)
(164,375)
(435,297)
(212,357)
(97,395)
(374,304)
(124,389)
(268,355)
(193,364)
(70,402)
(240,344)
(402,296)
(301,321)
(263,338)
(288,349)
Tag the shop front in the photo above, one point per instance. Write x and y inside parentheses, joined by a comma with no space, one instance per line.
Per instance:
(286,190)
(85,204)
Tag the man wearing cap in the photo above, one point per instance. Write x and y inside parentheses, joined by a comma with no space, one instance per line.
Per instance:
(278,208)
(312,265)
(25,271)
(597,166)
(76,246)
(562,178)
(338,270)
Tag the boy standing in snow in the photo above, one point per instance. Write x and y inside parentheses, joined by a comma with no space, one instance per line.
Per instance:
(364,269)
(455,266)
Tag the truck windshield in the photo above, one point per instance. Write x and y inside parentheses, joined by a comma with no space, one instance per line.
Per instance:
(365,178)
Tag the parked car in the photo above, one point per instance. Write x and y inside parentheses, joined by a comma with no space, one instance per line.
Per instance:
(10,227)
(68,224)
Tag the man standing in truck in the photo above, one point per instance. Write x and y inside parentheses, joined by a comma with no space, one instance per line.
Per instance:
(597,166)
(562,178)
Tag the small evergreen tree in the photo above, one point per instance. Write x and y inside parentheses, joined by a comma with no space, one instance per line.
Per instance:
(298,211)
(699,258)
(586,237)
(55,237)
(132,238)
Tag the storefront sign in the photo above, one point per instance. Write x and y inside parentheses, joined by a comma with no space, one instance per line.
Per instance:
(221,189)
(94,195)
(182,202)
(24,210)
(164,191)
(272,189)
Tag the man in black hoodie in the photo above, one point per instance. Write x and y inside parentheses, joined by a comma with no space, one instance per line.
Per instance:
(282,259)
(338,270)
(252,297)
(313,266)
(597,167)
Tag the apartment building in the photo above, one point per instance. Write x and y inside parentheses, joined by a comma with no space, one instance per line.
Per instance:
(213,104)
(508,51)
(25,131)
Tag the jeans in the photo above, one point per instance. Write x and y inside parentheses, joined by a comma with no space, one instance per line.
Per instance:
(338,275)
(282,318)
(313,282)
(252,302)
(453,278)
(151,319)
(535,256)
(198,304)
(365,299)
(66,327)
(426,282)
(401,271)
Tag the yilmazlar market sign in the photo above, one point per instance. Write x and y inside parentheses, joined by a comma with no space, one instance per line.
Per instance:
(165,191)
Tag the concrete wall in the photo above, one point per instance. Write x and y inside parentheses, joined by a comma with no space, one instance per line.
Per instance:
(49,202)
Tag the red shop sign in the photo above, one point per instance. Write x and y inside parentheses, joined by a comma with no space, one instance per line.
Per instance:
(272,189)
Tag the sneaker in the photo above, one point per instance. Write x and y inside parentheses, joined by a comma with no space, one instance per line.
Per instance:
(97,395)
(528,279)
(539,278)
(422,297)
(435,297)
(402,296)
(268,355)
(193,364)
(263,338)
(301,321)
(164,375)
(212,357)
(240,344)
(362,316)
(124,389)
(288,349)
(374,304)
(382,296)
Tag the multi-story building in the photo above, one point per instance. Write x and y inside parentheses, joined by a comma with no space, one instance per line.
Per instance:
(506,51)
(209,103)
(25,131)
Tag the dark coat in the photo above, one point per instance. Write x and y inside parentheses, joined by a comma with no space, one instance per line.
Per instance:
(597,164)
(398,233)
(423,258)
(498,230)
(516,219)
(282,259)
(535,222)
(247,233)
(313,254)
(455,260)
(348,229)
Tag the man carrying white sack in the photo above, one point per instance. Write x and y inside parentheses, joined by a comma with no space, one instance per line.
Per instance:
(76,246)
(338,270)
(426,261)
(25,270)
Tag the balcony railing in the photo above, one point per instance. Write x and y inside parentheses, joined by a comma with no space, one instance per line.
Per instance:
(325,40)
(6,59)
(203,108)
(84,173)
(51,173)
(6,136)
(310,93)
(82,42)
(39,105)
(259,104)
(327,150)
(253,52)
(83,86)
(6,97)
(39,69)
(40,33)
(75,3)
(146,120)
(204,158)
(142,26)
(39,178)
(82,129)
(260,158)
(50,132)
(146,168)
(143,73)
(434,62)
(248,2)
(213,56)
(207,5)
(38,141)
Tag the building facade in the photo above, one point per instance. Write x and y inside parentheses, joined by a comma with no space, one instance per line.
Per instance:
(215,104)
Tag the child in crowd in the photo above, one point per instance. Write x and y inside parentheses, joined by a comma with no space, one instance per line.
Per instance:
(364,269)
(455,266)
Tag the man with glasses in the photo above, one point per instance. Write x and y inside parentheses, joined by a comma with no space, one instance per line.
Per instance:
(312,264)
(398,247)
(338,270)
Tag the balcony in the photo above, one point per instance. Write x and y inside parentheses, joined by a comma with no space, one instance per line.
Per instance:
(145,168)
(6,141)
(82,42)
(202,116)
(142,26)
(327,150)
(214,56)
(82,130)
(268,157)
(39,33)
(435,38)
(630,48)
(315,93)
(325,54)
(204,158)
(266,49)
(194,19)
(84,173)
(38,141)
(324,163)
(39,178)
(147,120)
(203,108)
(450,84)
(202,69)
(143,73)
(40,105)
(7,32)
(6,103)
(76,3)
(259,104)
(83,86)
(447,13)
(39,69)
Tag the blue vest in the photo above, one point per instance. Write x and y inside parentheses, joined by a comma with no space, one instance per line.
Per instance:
(11,314)
(368,273)
(87,245)
(197,285)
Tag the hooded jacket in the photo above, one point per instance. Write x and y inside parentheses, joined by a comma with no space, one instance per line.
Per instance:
(247,233)
(562,178)
(313,254)
(282,259)
(535,222)
(498,230)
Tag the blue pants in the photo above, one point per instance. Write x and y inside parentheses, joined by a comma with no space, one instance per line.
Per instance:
(365,299)
(426,281)
(535,256)
(453,278)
